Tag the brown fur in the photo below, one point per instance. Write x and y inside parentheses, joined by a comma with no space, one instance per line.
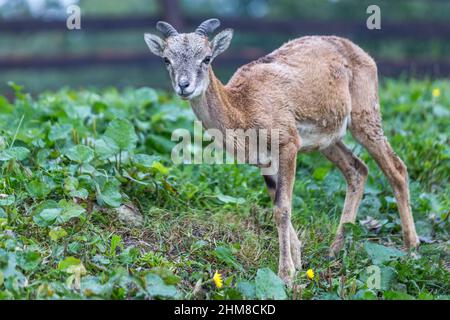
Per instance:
(319,81)
(312,90)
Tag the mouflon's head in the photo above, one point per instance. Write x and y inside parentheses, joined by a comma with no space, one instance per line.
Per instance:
(188,56)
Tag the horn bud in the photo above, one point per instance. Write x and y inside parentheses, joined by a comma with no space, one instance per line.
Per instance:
(166,29)
(207,27)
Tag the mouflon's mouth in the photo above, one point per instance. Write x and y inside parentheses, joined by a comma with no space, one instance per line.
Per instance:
(185,96)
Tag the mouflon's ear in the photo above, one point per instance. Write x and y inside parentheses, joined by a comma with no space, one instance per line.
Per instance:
(221,42)
(155,44)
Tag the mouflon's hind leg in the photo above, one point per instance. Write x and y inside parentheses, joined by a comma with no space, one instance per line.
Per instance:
(355,173)
(395,171)
(366,128)
(295,243)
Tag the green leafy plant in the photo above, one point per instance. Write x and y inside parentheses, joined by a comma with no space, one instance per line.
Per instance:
(74,163)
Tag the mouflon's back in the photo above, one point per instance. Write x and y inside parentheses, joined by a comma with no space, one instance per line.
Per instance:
(307,82)
(305,64)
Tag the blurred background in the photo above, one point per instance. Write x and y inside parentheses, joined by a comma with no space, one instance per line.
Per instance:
(38,51)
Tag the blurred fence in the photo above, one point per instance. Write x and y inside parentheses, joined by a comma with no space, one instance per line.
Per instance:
(417,31)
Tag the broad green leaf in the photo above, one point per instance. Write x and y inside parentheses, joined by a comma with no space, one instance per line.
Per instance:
(269,285)
(28,260)
(92,286)
(129,255)
(38,188)
(74,267)
(380,254)
(71,187)
(167,275)
(247,289)
(80,193)
(7,200)
(7,264)
(80,153)
(426,296)
(67,262)
(225,255)
(365,294)
(104,149)
(145,96)
(16,153)
(110,195)
(145,160)
(71,183)
(60,132)
(48,204)
(50,212)
(57,233)
(47,217)
(230,199)
(230,294)
(160,168)
(156,287)
(69,210)
(121,133)
(101,259)
(397,295)
(387,277)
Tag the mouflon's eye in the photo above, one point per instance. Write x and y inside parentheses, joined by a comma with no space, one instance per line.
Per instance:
(166,61)
(207,60)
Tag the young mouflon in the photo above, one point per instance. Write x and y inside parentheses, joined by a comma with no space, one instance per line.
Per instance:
(311,89)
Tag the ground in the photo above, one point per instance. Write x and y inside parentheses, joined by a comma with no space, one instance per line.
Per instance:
(91,206)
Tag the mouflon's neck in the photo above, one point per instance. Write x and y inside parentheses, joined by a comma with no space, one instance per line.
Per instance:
(215,106)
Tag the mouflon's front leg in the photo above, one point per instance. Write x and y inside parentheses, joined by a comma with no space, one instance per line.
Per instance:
(282,210)
(271,183)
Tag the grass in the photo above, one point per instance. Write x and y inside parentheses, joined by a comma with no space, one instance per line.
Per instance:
(91,206)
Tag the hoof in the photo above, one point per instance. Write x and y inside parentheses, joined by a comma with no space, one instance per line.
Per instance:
(336,246)
(287,279)
(411,240)
(287,275)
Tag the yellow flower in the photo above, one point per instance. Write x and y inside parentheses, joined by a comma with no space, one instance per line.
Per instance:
(218,280)
(310,274)
(436,92)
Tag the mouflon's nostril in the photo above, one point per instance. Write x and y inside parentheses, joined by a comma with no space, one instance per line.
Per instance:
(183,84)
